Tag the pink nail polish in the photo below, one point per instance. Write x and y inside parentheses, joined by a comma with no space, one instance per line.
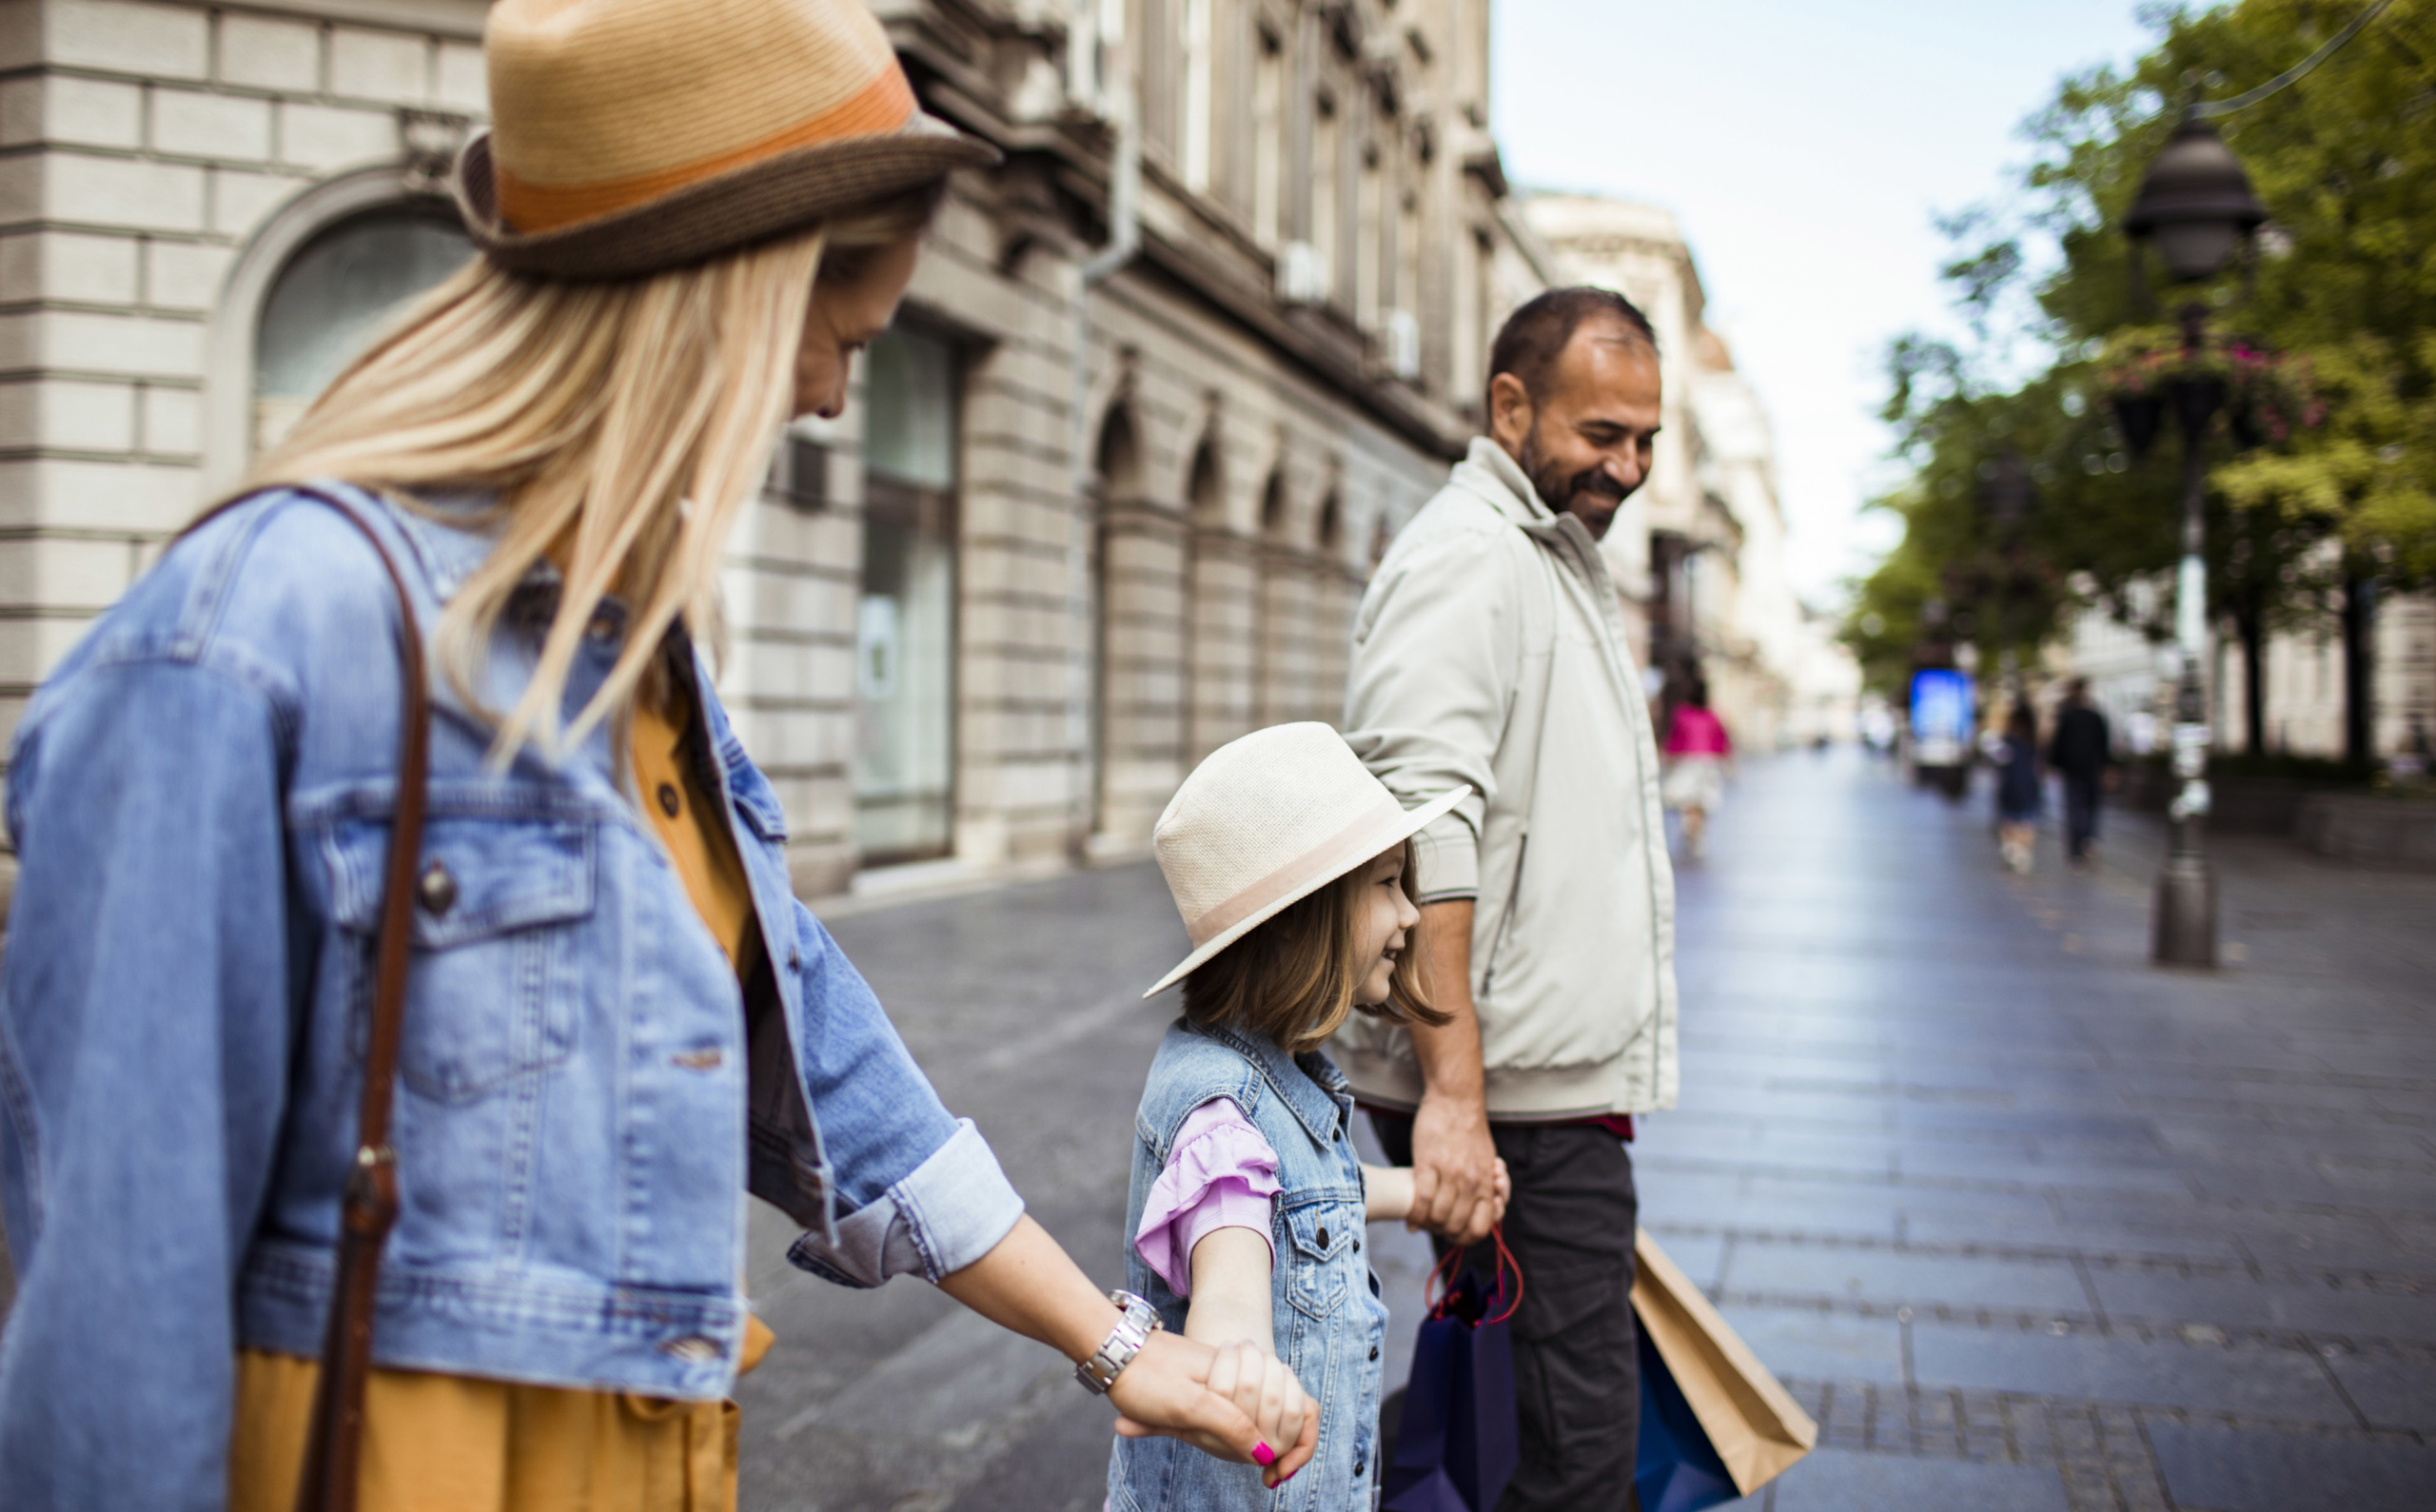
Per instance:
(1264,1456)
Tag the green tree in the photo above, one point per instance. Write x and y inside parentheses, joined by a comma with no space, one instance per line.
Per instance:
(2344,279)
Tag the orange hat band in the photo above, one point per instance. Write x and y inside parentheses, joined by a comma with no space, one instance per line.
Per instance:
(881,106)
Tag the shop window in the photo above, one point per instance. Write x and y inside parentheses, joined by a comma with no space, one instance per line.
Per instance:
(331,297)
(905,630)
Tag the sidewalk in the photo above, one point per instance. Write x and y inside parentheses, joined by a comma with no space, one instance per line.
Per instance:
(2025,1222)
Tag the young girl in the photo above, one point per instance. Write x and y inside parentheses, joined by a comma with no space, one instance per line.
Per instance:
(1288,863)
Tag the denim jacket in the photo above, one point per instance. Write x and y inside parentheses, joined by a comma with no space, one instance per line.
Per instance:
(1328,1322)
(200,798)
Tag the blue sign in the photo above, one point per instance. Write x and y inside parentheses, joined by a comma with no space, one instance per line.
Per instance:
(1943,714)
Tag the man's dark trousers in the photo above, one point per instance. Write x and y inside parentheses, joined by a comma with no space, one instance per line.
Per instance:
(2081,789)
(1577,1365)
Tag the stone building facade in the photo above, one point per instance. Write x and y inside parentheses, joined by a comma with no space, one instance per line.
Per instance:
(957,652)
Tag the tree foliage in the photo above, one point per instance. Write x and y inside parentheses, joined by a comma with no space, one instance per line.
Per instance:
(2343,278)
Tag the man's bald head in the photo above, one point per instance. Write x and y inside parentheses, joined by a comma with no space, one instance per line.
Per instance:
(1536,334)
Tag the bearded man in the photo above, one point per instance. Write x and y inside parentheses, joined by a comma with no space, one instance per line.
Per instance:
(1490,651)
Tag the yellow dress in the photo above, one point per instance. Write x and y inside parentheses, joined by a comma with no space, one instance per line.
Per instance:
(458,1444)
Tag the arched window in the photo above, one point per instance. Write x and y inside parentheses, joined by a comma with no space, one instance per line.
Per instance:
(331,296)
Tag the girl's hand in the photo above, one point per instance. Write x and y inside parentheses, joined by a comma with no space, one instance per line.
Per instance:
(1260,1385)
(1172,1389)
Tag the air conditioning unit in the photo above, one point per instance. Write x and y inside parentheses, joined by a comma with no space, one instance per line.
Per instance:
(1301,274)
(1400,335)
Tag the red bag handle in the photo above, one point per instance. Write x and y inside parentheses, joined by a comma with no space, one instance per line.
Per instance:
(1441,1277)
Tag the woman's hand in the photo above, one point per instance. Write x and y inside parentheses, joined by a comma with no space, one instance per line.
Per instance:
(1228,1401)
(1029,1284)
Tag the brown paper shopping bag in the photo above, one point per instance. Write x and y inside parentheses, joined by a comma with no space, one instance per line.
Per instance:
(1756,1429)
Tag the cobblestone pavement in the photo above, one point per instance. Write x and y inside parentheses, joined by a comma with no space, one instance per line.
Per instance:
(2024,1222)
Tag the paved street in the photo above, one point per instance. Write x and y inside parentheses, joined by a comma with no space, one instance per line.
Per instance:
(2025,1223)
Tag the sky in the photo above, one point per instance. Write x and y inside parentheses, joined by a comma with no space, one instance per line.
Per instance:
(1806,147)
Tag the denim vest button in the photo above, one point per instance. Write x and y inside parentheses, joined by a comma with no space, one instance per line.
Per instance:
(436,890)
(1374,1352)
(1323,1236)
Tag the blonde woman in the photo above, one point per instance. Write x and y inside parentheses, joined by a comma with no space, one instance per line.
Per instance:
(618,1020)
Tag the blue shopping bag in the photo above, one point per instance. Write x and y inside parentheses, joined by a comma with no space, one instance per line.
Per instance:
(1460,1439)
(1677,1469)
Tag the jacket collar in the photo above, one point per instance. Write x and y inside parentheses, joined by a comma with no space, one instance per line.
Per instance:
(454,533)
(1309,1084)
(1496,478)
(1486,470)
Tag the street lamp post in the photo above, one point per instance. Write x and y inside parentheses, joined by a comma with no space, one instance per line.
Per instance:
(2008,497)
(2196,206)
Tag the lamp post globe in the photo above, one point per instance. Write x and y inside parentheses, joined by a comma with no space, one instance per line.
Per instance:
(2195,205)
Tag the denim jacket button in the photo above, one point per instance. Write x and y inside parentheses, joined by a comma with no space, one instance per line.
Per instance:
(1323,1236)
(437,891)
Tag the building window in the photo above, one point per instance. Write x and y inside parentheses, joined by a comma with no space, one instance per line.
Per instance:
(905,629)
(333,295)
(1268,139)
(1200,94)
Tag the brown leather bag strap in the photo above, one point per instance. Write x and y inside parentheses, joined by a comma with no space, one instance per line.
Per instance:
(333,1453)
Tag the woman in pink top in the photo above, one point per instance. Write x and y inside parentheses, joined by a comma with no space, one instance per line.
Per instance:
(1697,749)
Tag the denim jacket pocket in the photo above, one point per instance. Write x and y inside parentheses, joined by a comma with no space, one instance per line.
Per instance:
(493,990)
(1320,1236)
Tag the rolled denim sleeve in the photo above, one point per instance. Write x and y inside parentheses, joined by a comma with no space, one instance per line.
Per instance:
(144,1033)
(919,1192)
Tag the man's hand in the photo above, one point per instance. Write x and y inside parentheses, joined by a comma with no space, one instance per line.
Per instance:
(1453,1159)
(1454,1170)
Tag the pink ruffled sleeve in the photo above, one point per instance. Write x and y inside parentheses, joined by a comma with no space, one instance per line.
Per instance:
(1220,1174)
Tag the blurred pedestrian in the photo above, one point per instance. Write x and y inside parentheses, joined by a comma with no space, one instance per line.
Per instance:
(617,1018)
(2019,795)
(1698,749)
(2082,753)
(1490,654)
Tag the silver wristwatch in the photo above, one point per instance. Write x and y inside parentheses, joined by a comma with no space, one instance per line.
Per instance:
(1137,1320)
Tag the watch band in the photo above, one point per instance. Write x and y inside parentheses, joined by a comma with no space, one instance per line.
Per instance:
(1136,1321)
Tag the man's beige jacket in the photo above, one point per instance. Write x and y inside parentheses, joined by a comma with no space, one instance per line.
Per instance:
(1490,651)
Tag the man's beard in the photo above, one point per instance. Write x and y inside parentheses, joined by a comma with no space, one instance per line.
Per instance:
(1558,488)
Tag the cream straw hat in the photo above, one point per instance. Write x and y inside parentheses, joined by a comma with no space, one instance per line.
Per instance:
(629,136)
(1270,818)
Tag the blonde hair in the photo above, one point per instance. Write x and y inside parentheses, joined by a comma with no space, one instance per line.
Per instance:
(1293,977)
(622,426)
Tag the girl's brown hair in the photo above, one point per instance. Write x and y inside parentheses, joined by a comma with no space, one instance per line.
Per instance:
(1294,978)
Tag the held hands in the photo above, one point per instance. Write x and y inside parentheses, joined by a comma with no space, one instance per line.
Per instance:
(1455,1170)
(1228,1401)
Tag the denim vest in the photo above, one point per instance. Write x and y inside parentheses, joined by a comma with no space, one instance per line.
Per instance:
(1329,1323)
(200,797)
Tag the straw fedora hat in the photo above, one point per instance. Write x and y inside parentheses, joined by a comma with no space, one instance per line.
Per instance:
(1270,818)
(632,136)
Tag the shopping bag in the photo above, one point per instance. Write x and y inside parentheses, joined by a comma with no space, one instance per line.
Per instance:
(1715,1424)
(1460,1439)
